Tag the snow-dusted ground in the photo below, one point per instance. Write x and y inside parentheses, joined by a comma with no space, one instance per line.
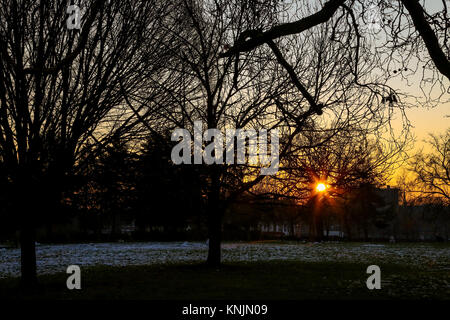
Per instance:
(56,258)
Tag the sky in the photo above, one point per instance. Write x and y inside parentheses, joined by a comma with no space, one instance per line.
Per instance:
(426,121)
(423,120)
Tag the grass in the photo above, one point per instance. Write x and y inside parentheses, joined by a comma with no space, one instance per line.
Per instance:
(274,280)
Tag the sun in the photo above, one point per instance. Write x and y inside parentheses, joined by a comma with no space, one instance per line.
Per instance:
(321,187)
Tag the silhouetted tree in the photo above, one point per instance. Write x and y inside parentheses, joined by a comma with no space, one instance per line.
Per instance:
(405,24)
(167,195)
(61,93)
(431,170)
(219,92)
(114,179)
(345,162)
(260,88)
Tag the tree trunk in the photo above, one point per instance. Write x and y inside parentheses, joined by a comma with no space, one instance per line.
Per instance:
(215,238)
(348,227)
(28,211)
(366,232)
(215,213)
(318,220)
(319,227)
(28,256)
(312,228)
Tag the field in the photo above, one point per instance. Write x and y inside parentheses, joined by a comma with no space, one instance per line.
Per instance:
(269,270)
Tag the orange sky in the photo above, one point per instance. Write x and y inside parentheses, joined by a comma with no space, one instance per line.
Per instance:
(425,121)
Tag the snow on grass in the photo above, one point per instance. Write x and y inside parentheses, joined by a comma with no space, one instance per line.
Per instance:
(56,258)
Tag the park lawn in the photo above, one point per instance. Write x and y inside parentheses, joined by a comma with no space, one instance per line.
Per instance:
(272,280)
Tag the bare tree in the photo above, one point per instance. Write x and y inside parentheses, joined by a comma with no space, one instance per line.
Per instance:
(221,93)
(62,94)
(403,20)
(260,89)
(349,162)
(343,161)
